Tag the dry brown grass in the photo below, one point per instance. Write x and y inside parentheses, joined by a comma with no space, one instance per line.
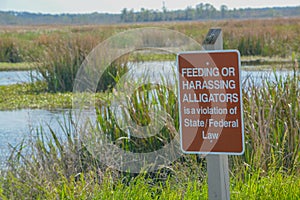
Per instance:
(277,36)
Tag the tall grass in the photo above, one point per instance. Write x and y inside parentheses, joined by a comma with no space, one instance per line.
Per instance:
(48,162)
(58,165)
(141,107)
(272,124)
(10,51)
(60,63)
(62,59)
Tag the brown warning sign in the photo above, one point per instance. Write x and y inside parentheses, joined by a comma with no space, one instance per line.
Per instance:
(211,118)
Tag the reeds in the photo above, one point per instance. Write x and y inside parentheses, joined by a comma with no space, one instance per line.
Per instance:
(62,59)
(10,51)
(60,63)
(272,124)
(137,126)
(49,160)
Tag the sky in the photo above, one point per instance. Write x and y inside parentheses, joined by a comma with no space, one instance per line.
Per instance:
(115,6)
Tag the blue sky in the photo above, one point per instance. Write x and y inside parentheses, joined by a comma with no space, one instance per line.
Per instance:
(115,6)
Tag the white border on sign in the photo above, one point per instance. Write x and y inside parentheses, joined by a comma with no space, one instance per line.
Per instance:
(241,102)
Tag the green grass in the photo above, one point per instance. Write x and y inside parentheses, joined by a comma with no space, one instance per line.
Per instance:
(147,57)
(6,66)
(275,185)
(85,186)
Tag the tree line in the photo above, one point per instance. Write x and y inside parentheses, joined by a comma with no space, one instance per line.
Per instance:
(199,12)
(205,12)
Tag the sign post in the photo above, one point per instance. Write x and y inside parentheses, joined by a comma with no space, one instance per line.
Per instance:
(210,102)
(217,165)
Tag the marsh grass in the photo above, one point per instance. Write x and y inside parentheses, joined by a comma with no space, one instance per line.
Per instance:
(62,59)
(9,51)
(47,162)
(140,108)
(272,124)
(58,165)
(261,37)
(60,63)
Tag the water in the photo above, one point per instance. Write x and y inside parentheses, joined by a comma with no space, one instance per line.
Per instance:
(18,125)
(259,76)
(14,77)
(154,70)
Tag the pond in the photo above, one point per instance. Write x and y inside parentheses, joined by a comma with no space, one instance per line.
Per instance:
(20,124)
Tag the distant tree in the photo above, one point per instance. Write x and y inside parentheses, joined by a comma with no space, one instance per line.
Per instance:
(199,10)
(124,13)
(131,16)
(189,13)
(210,10)
(224,10)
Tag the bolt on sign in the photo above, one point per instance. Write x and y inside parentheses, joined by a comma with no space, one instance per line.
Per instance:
(210,102)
